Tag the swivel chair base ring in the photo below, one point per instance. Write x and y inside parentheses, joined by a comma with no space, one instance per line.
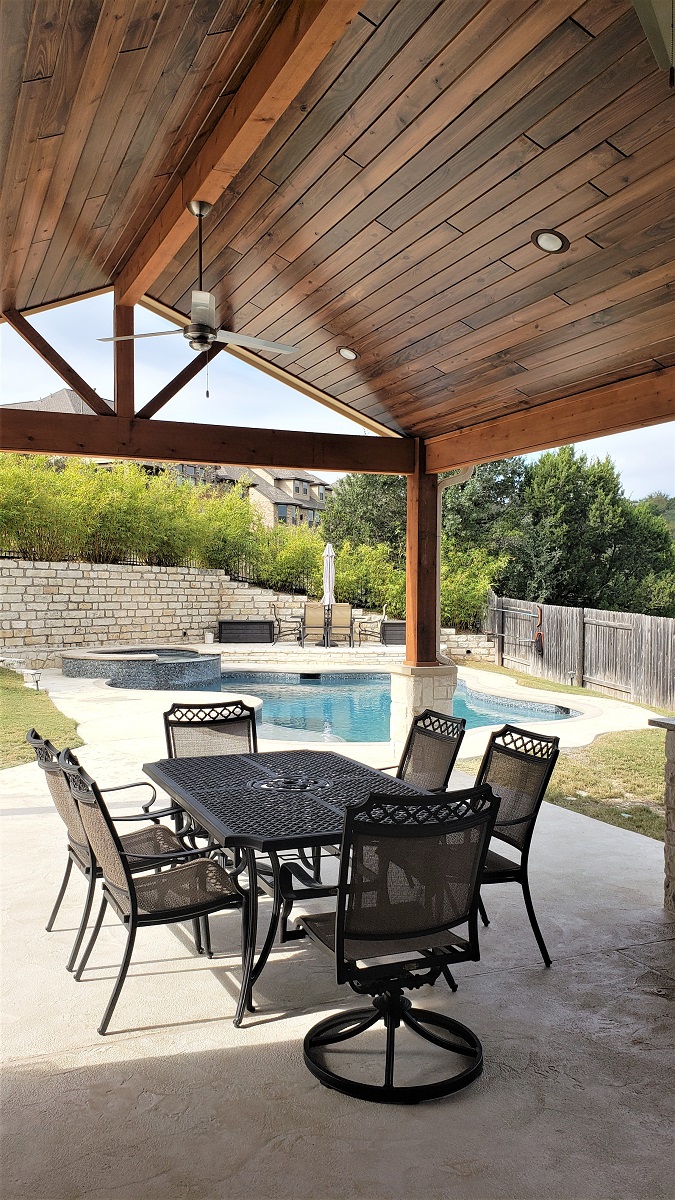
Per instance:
(393,1009)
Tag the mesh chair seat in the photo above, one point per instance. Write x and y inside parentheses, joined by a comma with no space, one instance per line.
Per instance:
(497,864)
(153,839)
(322,926)
(195,884)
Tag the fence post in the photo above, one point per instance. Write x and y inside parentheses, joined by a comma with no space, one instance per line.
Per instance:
(499,630)
(581,647)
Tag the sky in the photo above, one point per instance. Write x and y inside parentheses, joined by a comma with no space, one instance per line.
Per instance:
(242,395)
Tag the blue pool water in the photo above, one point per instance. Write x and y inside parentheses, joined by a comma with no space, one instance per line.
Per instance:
(353,707)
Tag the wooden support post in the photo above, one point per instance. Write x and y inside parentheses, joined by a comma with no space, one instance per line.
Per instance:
(123,326)
(421,554)
(581,638)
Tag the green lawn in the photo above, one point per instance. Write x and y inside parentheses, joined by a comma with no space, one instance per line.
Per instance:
(619,779)
(22,708)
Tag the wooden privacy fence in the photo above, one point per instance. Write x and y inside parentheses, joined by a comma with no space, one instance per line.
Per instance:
(625,655)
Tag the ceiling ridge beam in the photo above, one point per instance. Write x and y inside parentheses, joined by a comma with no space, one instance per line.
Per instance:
(298,45)
(53,359)
(177,441)
(629,404)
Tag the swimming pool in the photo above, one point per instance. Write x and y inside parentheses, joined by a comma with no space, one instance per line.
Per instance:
(355,707)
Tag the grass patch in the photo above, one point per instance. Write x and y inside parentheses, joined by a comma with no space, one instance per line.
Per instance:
(619,779)
(22,708)
(547,685)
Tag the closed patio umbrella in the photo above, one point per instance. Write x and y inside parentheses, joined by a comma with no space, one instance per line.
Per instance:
(328,597)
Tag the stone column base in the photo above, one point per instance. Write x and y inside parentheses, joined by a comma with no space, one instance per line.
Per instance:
(412,690)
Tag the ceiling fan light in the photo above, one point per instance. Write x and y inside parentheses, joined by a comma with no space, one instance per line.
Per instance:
(550,240)
(199,208)
(347,353)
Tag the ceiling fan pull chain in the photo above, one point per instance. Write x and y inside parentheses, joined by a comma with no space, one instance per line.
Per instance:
(207,374)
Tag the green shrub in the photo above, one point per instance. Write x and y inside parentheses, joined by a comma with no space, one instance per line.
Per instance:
(466,578)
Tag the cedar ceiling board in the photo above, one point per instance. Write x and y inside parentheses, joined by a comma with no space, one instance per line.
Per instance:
(662,149)
(141,26)
(645,128)
(596,15)
(76,39)
(77,216)
(15,30)
(152,140)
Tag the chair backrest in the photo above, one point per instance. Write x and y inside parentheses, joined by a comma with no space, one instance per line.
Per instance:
(341,618)
(101,833)
(518,765)
(410,868)
(431,749)
(48,759)
(314,618)
(197,730)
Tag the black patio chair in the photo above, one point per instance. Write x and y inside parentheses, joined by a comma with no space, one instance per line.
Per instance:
(191,889)
(430,751)
(409,876)
(154,840)
(369,629)
(287,627)
(518,766)
(197,730)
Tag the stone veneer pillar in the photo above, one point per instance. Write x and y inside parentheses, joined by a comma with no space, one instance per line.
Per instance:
(668,723)
(415,688)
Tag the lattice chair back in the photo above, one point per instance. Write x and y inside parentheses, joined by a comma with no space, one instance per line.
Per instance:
(409,872)
(48,759)
(101,833)
(518,765)
(431,749)
(197,730)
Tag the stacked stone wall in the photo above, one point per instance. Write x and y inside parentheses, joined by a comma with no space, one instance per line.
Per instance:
(47,607)
(465,646)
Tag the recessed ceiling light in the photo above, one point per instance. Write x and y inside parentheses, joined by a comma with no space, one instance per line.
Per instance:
(347,353)
(550,240)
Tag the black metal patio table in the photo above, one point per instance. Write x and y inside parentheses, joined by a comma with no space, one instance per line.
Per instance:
(267,803)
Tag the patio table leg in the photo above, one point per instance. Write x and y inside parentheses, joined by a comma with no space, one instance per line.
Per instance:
(251,926)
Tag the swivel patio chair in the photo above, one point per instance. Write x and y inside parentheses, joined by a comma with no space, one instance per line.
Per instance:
(341,624)
(192,888)
(154,840)
(518,766)
(409,876)
(313,623)
(430,750)
(198,730)
(287,627)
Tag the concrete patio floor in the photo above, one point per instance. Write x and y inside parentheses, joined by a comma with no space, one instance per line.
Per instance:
(574,1104)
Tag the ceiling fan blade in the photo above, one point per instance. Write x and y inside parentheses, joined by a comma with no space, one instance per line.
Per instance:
(253,343)
(133,337)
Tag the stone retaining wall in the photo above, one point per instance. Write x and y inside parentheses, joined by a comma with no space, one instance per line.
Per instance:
(48,607)
(468,645)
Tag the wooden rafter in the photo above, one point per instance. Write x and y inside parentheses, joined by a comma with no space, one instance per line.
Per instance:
(179,381)
(174,441)
(630,404)
(297,47)
(53,359)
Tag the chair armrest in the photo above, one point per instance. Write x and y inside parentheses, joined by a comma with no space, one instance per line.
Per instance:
(393,767)
(160,859)
(289,872)
(143,816)
(124,787)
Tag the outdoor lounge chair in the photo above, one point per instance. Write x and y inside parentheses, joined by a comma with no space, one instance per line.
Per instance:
(287,627)
(190,889)
(430,751)
(369,629)
(341,625)
(313,623)
(518,766)
(154,840)
(409,875)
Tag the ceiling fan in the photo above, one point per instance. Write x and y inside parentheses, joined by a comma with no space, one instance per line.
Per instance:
(202,332)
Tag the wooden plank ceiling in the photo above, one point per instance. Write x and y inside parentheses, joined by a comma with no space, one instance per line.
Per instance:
(389,210)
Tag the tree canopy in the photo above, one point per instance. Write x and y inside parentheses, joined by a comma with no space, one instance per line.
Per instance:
(368,510)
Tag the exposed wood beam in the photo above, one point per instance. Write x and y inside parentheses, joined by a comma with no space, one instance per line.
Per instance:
(421,565)
(53,359)
(629,404)
(174,441)
(297,47)
(179,381)
(123,326)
